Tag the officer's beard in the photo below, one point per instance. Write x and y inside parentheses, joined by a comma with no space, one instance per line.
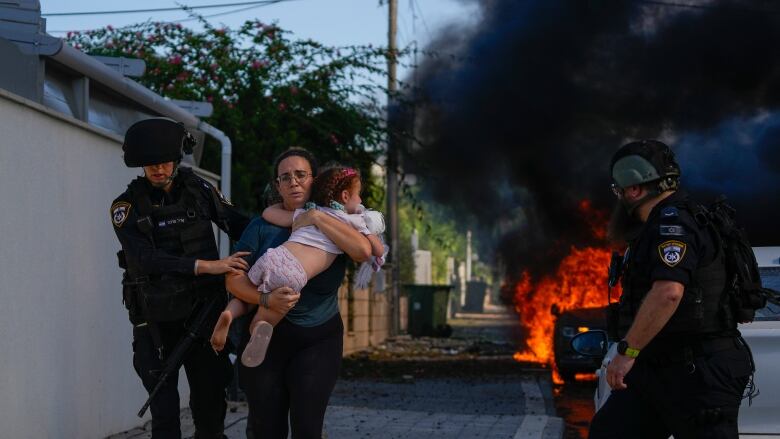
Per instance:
(623,224)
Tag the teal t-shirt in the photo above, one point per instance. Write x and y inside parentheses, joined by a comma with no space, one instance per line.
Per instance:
(319,298)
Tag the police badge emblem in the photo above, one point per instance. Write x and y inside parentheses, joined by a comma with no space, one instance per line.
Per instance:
(119,213)
(672,252)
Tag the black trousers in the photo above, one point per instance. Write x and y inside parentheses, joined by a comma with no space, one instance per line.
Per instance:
(694,398)
(207,375)
(296,379)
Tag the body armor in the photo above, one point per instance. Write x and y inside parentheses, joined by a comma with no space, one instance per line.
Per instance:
(184,229)
(702,309)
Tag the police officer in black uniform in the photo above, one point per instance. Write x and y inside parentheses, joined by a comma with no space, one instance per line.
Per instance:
(682,366)
(172,268)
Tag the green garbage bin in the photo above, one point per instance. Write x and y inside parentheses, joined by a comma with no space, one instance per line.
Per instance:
(427,310)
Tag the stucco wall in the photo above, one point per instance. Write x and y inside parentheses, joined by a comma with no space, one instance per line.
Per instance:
(365,316)
(65,367)
(66,363)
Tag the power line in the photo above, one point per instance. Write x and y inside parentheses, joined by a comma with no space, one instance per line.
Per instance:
(183,20)
(178,8)
(220,14)
(422,17)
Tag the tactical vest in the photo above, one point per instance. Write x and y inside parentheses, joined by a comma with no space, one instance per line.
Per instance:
(702,309)
(182,229)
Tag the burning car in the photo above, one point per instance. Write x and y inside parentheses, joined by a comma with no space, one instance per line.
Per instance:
(567,325)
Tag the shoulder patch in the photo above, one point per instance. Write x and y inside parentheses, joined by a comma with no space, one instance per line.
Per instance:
(669,230)
(119,212)
(672,252)
(670,212)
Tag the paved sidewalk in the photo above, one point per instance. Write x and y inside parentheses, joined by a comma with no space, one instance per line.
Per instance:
(472,388)
(423,409)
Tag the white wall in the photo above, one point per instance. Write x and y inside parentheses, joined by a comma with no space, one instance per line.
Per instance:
(422,267)
(65,353)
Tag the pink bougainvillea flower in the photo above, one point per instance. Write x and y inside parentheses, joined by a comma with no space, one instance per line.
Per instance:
(175,59)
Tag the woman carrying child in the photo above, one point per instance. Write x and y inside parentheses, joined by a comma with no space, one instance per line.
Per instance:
(304,355)
(307,253)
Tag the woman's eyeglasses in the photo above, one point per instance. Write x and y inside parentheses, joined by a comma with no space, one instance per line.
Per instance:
(287,178)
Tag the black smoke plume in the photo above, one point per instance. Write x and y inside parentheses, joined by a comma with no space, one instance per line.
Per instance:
(518,116)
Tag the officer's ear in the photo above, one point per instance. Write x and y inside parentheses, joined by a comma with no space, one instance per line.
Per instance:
(634,191)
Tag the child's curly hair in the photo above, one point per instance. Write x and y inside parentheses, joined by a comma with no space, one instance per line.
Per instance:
(331,182)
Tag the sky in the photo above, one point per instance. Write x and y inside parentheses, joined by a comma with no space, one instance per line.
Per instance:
(332,22)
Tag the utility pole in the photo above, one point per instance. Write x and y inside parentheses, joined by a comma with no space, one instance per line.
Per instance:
(392,170)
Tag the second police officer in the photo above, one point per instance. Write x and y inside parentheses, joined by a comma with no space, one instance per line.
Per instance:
(682,366)
(164,224)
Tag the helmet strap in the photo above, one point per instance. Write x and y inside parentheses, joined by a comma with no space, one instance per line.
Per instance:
(175,171)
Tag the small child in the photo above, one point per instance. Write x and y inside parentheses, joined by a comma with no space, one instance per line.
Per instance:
(307,253)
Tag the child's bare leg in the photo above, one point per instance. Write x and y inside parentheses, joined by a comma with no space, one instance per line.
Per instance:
(261,328)
(266,315)
(235,308)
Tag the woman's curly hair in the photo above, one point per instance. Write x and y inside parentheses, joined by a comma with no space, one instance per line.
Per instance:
(331,182)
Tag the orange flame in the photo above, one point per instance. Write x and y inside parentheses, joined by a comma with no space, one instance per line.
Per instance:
(580,281)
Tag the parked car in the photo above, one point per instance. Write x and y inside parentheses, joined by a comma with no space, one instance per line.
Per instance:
(757,418)
(567,325)
(763,336)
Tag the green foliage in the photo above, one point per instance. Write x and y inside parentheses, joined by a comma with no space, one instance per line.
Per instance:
(437,232)
(269,92)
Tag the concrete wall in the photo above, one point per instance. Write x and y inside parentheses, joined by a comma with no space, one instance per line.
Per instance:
(65,368)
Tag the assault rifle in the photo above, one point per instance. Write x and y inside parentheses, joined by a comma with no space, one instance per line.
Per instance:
(174,361)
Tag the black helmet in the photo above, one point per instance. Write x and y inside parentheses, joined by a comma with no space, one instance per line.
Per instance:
(156,140)
(645,161)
